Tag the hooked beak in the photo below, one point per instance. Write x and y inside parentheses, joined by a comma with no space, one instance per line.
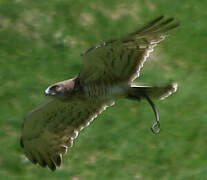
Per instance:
(54,90)
(49,92)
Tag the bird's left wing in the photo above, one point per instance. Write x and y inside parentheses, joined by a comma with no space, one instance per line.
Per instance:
(51,128)
(121,59)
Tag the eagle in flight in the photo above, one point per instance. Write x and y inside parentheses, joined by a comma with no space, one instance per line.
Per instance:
(107,74)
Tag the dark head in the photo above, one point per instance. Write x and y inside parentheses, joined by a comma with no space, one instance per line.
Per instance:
(61,89)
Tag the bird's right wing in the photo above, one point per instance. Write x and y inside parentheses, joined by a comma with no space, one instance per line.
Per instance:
(51,128)
(121,59)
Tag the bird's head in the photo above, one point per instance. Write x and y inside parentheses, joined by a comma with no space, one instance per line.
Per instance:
(61,89)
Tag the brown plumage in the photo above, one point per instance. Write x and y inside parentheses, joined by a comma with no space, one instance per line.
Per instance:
(107,74)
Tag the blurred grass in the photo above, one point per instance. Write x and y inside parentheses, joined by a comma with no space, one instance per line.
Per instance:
(40,43)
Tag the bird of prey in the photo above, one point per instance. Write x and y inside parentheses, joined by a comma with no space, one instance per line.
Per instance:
(107,73)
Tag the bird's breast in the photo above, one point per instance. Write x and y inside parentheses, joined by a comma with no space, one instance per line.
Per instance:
(105,90)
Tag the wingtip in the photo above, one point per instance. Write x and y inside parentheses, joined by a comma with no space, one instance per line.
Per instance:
(31,157)
(43,164)
(160,17)
(21,142)
(160,24)
(58,160)
(52,168)
(166,20)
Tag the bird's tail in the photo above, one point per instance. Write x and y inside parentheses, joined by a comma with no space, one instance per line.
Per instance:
(154,92)
(148,92)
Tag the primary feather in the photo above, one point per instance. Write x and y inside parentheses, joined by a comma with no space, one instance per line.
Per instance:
(51,128)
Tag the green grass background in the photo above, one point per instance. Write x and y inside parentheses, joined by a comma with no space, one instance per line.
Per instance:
(40,43)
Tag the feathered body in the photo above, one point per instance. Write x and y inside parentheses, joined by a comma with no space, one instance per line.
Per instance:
(107,74)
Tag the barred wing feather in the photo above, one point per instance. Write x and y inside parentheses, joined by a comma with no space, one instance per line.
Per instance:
(51,128)
(121,59)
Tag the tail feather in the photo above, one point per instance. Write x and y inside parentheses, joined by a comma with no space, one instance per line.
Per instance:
(157,92)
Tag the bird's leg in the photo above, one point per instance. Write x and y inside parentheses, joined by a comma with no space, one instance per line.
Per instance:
(139,92)
(156,125)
